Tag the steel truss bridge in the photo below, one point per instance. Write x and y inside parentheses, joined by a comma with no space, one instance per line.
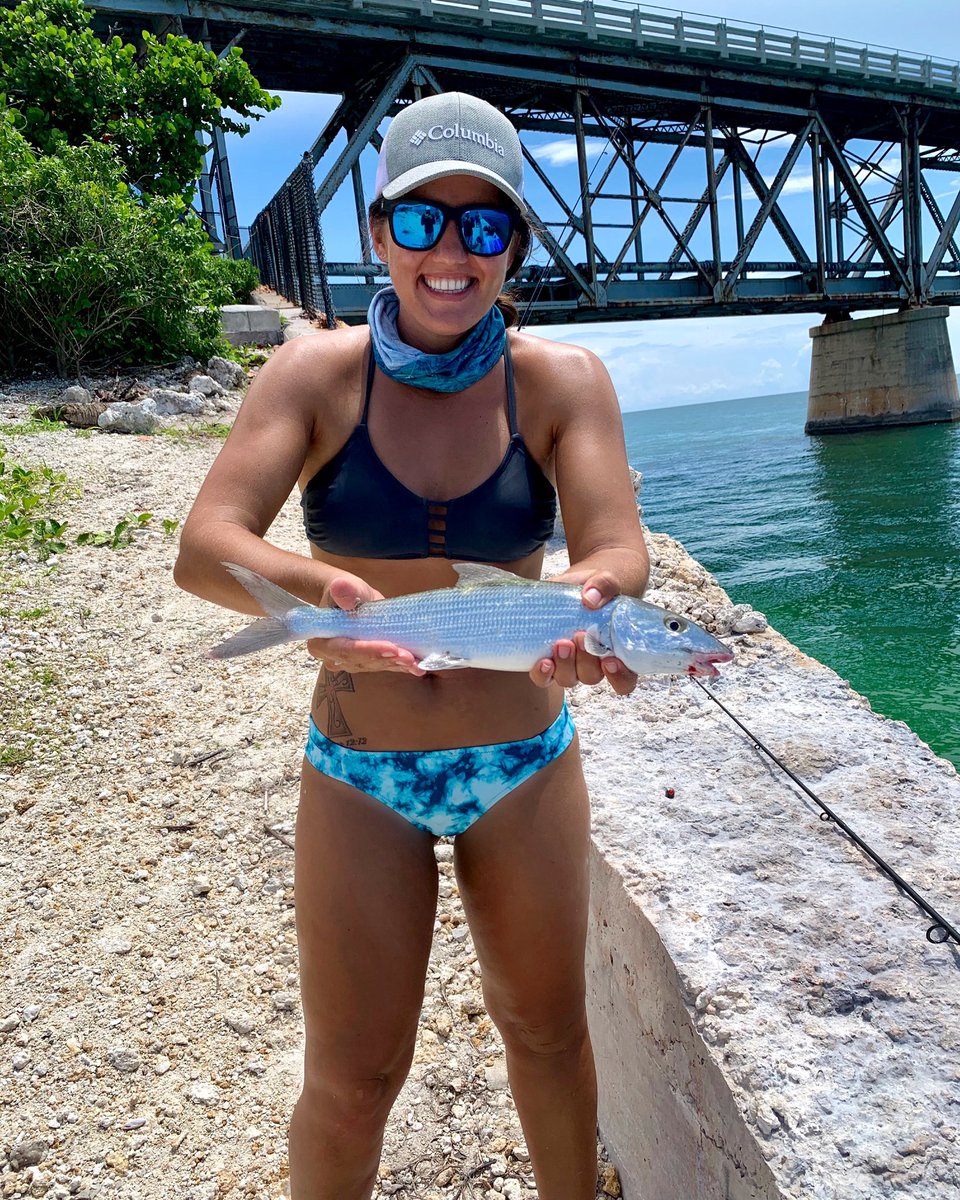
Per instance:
(722,168)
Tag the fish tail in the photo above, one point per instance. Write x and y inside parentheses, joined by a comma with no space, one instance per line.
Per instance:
(267,631)
(271,598)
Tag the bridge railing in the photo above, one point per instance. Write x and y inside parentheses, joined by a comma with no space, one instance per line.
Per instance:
(692,33)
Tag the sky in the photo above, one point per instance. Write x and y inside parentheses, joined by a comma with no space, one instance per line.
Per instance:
(663,362)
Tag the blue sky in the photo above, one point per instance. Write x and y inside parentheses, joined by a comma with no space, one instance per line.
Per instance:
(653,363)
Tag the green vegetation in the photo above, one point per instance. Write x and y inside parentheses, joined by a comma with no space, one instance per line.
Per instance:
(26,491)
(147,102)
(103,261)
(91,273)
(250,356)
(31,425)
(241,277)
(198,431)
(12,757)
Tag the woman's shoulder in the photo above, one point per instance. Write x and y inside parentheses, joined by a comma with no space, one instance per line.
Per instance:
(333,350)
(563,372)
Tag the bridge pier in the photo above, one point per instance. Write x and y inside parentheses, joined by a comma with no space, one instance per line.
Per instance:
(895,369)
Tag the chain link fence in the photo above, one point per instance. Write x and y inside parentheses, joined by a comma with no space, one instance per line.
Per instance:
(286,246)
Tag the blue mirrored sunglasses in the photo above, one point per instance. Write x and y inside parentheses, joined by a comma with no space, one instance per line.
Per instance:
(485,230)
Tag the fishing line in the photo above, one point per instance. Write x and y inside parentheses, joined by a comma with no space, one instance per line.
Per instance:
(941,930)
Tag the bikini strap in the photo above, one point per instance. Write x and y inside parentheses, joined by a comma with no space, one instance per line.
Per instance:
(511,394)
(371,367)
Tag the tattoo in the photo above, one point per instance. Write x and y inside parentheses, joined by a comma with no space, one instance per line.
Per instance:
(328,685)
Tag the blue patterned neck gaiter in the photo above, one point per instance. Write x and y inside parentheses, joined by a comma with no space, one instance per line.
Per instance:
(454,371)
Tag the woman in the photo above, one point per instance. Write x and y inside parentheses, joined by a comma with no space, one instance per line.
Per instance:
(433,437)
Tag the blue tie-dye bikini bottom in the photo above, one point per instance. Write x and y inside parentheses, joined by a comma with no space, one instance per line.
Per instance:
(441,791)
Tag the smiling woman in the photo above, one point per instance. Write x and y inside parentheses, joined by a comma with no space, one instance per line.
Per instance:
(437,435)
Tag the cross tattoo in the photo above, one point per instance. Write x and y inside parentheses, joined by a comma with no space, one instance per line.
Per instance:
(333,682)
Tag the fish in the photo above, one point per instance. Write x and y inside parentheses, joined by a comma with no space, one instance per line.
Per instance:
(492,620)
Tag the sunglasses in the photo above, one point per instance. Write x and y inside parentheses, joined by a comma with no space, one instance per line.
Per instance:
(484,229)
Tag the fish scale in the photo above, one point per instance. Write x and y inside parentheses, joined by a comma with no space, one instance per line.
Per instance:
(492,620)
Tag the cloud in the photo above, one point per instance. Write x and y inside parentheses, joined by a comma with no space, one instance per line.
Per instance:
(654,364)
(560,153)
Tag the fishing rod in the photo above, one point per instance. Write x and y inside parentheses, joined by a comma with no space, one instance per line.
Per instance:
(939,932)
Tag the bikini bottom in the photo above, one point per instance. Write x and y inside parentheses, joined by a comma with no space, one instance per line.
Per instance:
(441,791)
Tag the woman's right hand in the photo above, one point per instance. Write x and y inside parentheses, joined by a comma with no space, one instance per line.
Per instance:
(348,654)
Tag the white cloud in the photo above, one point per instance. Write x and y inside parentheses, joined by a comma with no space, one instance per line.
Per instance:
(560,153)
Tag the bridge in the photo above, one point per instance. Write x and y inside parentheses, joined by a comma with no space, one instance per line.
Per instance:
(721,168)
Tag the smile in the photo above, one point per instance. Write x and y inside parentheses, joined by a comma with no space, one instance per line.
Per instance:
(447,286)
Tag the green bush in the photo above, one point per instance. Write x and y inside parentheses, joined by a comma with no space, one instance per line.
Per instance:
(92,274)
(240,277)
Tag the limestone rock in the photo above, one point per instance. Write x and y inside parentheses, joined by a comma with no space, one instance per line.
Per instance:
(226,373)
(171,404)
(205,385)
(75,395)
(129,418)
(124,1060)
(28,1154)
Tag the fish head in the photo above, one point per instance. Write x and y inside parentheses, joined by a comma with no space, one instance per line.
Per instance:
(654,641)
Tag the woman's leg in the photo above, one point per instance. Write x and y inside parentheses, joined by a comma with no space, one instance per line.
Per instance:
(366,898)
(523,872)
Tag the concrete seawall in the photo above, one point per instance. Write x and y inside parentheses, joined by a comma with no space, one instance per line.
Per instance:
(769,1018)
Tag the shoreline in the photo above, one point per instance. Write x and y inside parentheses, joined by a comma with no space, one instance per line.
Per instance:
(149,1016)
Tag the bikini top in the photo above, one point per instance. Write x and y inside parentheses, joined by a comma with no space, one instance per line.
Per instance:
(355,507)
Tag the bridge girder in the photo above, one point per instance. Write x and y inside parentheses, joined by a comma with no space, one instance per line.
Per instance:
(654,234)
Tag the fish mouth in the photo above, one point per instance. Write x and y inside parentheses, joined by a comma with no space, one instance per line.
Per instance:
(703,664)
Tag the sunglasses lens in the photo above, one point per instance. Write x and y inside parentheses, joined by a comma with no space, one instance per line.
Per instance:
(416,226)
(486,231)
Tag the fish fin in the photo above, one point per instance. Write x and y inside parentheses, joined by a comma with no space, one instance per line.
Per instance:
(594,644)
(268,631)
(271,598)
(480,575)
(442,661)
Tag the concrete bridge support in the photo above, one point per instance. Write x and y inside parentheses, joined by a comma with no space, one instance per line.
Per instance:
(895,369)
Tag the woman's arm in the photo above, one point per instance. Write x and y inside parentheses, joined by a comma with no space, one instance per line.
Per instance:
(247,485)
(605,543)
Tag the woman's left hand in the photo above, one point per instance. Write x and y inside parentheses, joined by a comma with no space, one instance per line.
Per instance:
(571,663)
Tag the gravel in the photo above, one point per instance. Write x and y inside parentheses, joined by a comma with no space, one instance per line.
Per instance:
(150,1032)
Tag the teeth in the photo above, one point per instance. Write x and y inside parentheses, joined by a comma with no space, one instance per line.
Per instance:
(447,285)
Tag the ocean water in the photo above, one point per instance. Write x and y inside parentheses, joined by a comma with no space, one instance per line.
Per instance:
(849,543)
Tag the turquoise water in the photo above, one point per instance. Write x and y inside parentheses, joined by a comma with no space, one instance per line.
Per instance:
(849,543)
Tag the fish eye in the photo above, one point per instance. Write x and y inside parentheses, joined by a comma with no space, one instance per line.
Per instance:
(675,624)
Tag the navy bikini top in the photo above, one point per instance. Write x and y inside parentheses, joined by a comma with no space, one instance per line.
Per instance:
(355,507)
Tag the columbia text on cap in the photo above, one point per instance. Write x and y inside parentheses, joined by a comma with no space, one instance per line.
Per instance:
(450,134)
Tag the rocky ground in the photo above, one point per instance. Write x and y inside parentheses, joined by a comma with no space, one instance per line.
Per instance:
(150,1035)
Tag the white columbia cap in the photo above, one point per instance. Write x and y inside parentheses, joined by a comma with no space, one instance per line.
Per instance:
(450,134)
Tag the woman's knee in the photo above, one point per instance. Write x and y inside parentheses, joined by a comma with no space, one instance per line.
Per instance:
(351,1102)
(539,1031)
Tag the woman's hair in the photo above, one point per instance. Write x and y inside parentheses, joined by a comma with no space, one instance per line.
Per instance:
(505,301)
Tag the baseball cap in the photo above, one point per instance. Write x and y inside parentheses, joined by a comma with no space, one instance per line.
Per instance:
(450,134)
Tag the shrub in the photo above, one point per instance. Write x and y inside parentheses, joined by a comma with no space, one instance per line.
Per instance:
(92,274)
(240,277)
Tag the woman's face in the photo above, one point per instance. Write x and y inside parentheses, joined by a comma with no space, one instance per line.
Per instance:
(433,316)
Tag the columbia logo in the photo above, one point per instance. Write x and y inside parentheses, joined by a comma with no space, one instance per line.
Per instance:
(417,138)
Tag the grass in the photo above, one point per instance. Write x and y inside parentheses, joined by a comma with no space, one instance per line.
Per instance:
(197,432)
(31,425)
(12,757)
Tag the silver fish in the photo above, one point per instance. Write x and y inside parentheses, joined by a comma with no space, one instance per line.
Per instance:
(491,619)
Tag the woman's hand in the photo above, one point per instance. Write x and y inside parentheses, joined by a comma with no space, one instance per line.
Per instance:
(347,654)
(571,663)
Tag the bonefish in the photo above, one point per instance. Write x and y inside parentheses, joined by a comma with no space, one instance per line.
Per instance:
(492,619)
